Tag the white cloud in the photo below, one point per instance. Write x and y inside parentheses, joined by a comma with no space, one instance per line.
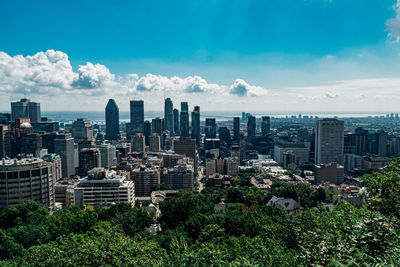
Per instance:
(394,24)
(241,88)
(92,76)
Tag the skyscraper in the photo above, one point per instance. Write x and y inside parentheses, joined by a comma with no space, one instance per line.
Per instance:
(147,131)
(236,129)
(196,124)
(25,109)
(89,158)
(157,126)
(265,125)
(137,116)
(82,129)
(64,146)
(211,128)
(176,122)
(112,120)
(184,119)
(251,127)
(329,141)
(169,116)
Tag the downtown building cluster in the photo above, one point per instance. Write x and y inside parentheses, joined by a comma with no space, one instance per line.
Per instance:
(83,163)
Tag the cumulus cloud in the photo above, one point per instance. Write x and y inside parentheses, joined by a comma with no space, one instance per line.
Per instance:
(49,72)
(241,88)
(331,95)
(393,24)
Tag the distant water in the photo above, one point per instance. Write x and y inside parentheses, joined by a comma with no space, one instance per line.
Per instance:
(98,116)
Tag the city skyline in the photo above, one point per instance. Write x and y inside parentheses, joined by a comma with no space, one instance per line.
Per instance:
(264,60)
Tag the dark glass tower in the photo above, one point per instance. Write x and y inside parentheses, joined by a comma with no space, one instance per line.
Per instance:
(176,122)
(112,120)
(169,116)
(211,128)
(196,124)
(251,127)
(236,129)
(184,119)
(137,116)
(265,125)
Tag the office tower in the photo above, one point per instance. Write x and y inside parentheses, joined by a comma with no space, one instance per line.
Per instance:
(157,126)
(138,143)
(251,127)
(5,141)
(89,158)
(5,118)
(82,129)
(265,125)
(211,128)
(155,143)
(25,109)
(137,116)
(22,128)
(104,188)
(33,143)
(177,129)
(147,131)
(169,116)
(329,141)
(184,120)
(107,156)
(146,181)
(64,146)
(186,146)
(27,179)
(225,135)
(112,121)
(299,149)
(179,178)
(236,129)
(196,125)
(361,141)
(381,143)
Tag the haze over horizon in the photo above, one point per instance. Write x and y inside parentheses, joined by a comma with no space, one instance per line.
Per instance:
(315,55)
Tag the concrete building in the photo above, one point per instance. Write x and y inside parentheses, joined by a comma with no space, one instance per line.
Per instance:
(332,173)
(180,177)
(64,146)
(5,141)
(107,156)
(138,143)
(298,148)
(157,126)
(353,161)
(187,146)
(112,120)
(146,181)
(155,143)
(27,179)
(227,166)
(82,129)
(329,141)
(104,188)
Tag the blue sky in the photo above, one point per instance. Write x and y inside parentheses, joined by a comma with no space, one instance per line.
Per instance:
(283,46)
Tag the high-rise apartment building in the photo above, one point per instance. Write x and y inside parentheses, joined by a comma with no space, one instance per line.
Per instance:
(155,143)
(138,143)
(146,181)
(107,156)
(179,178)
(169,116)
(89,158)
(112,120)
(329,141)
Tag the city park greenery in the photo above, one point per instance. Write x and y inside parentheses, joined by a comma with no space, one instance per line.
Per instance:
(195,233)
